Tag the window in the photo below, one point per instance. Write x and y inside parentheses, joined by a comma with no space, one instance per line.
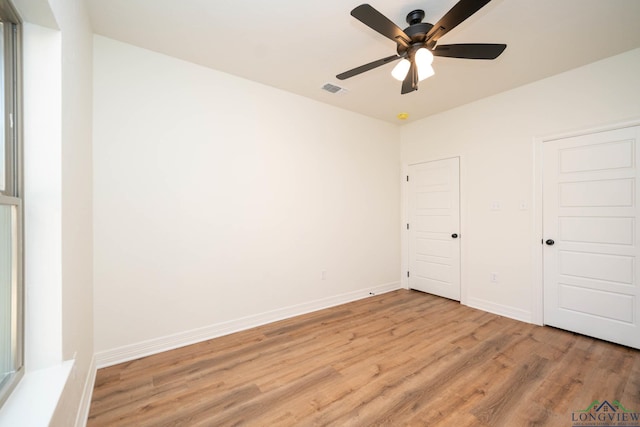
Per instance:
(11,230)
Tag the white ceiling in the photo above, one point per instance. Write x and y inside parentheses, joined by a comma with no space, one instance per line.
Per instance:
(299,46)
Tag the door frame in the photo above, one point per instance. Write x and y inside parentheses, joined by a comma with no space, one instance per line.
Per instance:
(537,295)
(404,217)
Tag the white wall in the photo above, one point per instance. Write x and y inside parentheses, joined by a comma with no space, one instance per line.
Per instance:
(494,138)
(218,199)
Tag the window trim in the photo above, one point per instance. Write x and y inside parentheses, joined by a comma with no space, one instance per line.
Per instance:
(13,193)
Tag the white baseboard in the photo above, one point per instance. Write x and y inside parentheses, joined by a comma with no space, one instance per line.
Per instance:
(170,342)
(87,392)
(499,309)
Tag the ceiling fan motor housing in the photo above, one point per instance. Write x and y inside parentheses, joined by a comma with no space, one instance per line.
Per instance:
(418,33)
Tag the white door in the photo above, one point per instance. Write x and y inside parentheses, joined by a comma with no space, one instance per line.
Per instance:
(590,228)
(434,228)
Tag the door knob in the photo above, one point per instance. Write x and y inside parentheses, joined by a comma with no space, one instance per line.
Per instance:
(550,242)
(454,236)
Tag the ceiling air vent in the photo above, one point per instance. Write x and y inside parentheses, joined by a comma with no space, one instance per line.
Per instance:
(334,89)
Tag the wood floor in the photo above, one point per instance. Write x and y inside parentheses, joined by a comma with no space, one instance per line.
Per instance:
(401,358)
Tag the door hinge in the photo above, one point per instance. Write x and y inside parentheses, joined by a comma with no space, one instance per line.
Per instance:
(407,178)
(407,274)
(407,226)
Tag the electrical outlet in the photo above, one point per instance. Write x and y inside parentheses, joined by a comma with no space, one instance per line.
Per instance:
(496,205)
(493,277)
(323,275)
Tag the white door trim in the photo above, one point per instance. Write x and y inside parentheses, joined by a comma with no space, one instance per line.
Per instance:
(404,235)
(537,297)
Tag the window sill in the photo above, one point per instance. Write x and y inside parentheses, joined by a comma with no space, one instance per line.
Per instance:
(35,398)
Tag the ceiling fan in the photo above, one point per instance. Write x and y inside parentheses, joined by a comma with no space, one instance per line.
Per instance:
(417,44)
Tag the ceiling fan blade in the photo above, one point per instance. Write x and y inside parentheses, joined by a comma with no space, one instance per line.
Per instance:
(367,67)
(410,82)
(375,20)
(470,50)
(458,14)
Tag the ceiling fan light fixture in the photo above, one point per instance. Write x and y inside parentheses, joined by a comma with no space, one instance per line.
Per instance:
(424,72)
(417,44)
(424,58)
(401,69)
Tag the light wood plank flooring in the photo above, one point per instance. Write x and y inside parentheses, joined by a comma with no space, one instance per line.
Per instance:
(401,358)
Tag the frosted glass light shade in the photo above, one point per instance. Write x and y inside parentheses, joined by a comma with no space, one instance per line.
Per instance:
(425,72)
(401,69)
(423,59)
